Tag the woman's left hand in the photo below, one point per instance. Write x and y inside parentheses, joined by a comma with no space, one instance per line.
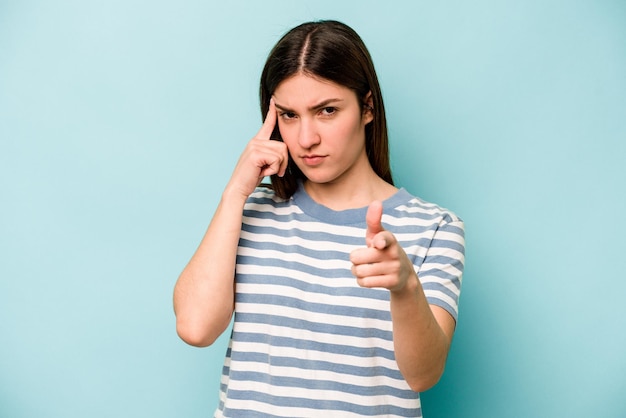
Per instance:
(383,263)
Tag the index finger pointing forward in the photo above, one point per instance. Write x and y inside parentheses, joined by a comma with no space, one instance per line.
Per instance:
(270,122)
(373,218)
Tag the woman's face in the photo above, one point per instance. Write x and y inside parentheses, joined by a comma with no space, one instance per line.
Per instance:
(323,126)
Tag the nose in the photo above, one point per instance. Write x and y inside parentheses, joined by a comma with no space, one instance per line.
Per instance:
(308,135)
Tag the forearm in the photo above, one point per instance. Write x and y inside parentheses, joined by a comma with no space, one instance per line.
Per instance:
(204,292)
(421,340)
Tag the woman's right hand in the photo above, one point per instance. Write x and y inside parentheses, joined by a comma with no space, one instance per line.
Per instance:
(261,157)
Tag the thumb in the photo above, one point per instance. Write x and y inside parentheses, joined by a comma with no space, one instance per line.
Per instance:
(373,220)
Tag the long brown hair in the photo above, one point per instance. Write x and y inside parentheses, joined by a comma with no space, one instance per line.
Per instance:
(333,51)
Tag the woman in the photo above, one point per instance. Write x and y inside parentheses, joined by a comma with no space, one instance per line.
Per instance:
(344,287)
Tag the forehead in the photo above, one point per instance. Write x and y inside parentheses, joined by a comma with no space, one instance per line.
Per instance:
(305,90)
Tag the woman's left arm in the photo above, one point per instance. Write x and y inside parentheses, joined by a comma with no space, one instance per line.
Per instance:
(422,333)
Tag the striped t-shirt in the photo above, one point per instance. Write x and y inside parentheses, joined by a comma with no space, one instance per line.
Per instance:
(307,340)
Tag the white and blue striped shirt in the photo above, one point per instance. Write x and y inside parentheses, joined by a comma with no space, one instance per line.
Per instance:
(307,341)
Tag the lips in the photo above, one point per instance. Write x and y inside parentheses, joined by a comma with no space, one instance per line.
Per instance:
(313,159)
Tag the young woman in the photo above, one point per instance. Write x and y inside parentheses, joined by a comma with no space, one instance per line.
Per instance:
(344,288)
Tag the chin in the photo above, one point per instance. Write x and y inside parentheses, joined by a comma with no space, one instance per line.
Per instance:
(319,178)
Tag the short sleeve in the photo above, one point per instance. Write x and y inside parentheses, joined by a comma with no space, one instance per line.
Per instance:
(442,270)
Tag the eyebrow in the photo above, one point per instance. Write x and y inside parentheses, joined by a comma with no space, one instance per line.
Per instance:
(317,106)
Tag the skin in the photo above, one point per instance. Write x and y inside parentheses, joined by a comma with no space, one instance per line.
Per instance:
(323,120)
(323,129)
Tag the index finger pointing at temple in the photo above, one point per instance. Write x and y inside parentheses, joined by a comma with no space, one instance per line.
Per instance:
(270,122)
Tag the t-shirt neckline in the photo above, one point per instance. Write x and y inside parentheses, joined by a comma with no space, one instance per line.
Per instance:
(347,216)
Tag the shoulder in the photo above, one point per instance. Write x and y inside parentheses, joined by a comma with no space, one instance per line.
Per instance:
(264,195)
(264,203)
(409,206)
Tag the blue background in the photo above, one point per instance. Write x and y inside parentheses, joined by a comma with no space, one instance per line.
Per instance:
(120,122)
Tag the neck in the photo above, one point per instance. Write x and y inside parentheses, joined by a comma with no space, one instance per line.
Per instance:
(350,195)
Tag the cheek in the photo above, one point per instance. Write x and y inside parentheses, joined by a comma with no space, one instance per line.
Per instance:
(286,133)
(349,129)
(352,129)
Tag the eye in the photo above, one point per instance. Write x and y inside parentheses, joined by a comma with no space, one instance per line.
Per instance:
(287,115)
(328,111)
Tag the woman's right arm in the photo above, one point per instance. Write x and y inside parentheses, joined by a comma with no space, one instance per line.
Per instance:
(204,293)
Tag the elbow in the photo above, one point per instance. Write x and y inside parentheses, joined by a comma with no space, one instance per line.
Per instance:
(423,384)
(425,381)
(201,328)
(195,334)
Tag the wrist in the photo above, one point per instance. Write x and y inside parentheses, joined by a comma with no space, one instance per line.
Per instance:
(410,289)
(233,195)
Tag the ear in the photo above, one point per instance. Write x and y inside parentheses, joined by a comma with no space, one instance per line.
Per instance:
(368,108)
